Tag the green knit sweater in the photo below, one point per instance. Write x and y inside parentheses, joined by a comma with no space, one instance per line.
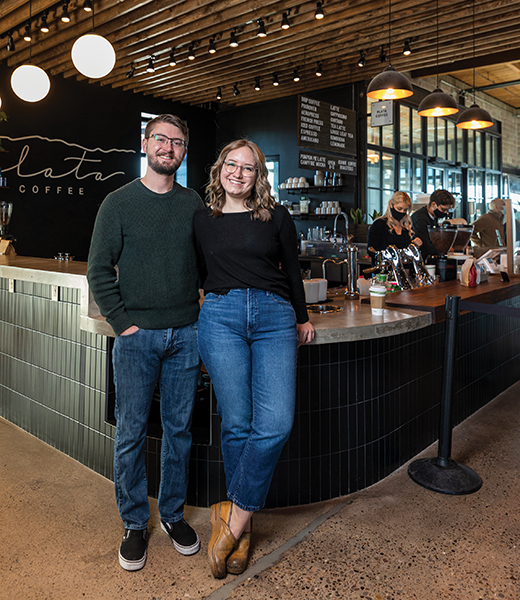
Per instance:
(149,237)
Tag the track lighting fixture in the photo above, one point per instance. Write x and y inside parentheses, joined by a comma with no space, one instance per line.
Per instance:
(131,71)
(390,84)
(474,117)
(219,93)
(93,55)
(29,82)
(319,69)
(151,64)
(233,41)
(172,62)
(212,48)
(27,32)
(319,11)
(407,50)
(65,17)
(87,6)
(362,58)
(296,75)
(438,103)
(191,53)
(44,27)
(10,43)
(261,29)
(382,55)
(236,91)
(276,83)
(257,84)
(285,20)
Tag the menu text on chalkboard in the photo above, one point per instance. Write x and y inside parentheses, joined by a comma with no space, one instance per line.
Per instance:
(326,126)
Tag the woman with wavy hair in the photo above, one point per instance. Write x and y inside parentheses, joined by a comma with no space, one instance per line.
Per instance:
(251,323)
(394,228)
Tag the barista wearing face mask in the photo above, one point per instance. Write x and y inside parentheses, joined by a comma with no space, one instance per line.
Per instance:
(441,202)
(394,228)
(488,230)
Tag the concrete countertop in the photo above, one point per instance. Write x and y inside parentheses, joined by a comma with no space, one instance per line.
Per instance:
(355,322)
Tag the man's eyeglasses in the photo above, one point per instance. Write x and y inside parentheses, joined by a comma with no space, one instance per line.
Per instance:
(164,139)
(247,171)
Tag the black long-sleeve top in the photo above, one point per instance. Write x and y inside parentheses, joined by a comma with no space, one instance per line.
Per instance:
(421,220)
(238,252)
(380,236)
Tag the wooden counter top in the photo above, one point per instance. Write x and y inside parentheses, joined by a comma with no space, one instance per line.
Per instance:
(355,322)
(432,299)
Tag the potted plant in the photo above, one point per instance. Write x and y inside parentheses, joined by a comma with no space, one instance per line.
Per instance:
(359,228)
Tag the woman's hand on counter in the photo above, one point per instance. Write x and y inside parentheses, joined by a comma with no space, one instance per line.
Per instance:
(417,241)
(305,333)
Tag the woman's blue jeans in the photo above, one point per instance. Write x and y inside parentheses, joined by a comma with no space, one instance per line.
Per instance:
(248,342)
(141,359)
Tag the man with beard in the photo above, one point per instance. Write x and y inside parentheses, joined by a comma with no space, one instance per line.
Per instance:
(143,274)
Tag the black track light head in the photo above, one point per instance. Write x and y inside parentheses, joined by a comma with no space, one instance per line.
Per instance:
(261,29)
(362,58)
(319,14)
(10,42)
(236,91)
(65,17)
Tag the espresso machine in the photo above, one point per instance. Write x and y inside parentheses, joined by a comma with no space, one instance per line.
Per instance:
(446,237)
(5,218)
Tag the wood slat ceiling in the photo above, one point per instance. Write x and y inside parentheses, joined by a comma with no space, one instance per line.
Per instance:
(139,29)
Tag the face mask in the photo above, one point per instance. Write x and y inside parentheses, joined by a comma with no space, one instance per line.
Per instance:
(440,215)
(396,214)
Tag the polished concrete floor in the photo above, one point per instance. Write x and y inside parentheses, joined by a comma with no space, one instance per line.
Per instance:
(60,532)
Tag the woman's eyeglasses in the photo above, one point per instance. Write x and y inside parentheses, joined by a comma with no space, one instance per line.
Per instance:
(231,167)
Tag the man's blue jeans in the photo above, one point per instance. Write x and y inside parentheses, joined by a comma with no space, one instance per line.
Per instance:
(140,360)
(248,343)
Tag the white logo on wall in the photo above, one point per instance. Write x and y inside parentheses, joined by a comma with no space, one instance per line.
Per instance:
(54,160)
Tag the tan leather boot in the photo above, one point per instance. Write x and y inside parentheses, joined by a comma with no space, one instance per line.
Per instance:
(222,542)
(237,560)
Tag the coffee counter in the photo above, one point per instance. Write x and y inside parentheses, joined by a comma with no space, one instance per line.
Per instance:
(367,396)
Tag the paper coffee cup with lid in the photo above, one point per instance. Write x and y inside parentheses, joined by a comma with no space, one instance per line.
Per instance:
(377,299)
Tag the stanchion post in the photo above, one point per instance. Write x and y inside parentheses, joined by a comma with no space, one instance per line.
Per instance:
(442,474)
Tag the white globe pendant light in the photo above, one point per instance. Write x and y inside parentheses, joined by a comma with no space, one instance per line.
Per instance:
(93,55)
(30,83)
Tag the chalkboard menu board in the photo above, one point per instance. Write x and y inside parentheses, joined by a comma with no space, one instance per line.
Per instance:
(326,126)
(319,161)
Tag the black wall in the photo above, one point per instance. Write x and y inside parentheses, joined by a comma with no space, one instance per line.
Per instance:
(56,184)
(273,125)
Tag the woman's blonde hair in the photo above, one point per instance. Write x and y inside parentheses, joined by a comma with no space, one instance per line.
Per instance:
(260,200)
(405,222)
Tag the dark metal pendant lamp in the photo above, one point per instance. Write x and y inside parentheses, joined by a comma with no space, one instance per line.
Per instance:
(438,103)
(474,117)
(390,84)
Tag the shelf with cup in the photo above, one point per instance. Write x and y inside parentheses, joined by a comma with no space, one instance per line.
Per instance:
(314,188)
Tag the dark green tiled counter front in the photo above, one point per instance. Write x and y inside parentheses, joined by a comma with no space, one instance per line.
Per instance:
(367,396)
(53,373)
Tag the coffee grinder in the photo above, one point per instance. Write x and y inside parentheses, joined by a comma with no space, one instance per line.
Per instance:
(442,238)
